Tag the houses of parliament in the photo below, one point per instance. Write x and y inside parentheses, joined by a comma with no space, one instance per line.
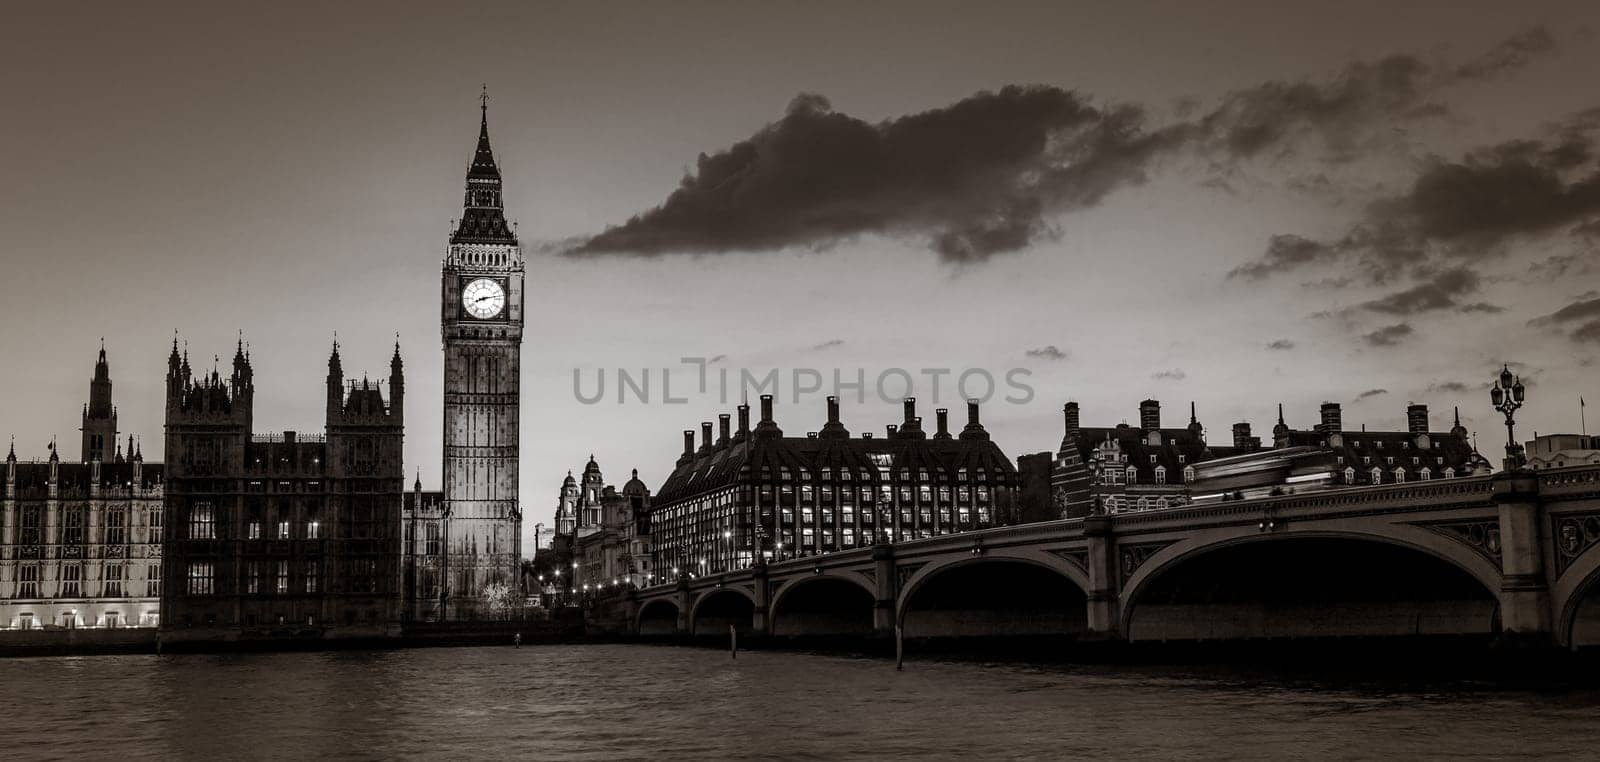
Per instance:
(244,536)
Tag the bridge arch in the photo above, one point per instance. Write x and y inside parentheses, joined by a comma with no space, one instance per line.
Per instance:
(1575,597)
(1313,551)
(1014,591)
(658,616)
(835,603)
(718,607)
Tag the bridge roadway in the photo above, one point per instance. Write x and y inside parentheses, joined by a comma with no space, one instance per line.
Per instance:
(1509,554)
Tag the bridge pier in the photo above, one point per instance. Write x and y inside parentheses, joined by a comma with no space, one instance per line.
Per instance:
(888,584)
(683,600)
(1105,611)
(1524,589)
(761,618)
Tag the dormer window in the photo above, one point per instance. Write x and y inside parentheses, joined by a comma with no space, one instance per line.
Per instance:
(1188,473)
(1377,475)
(1366,460)
(1161,475)
(1152,459)
(1182,458)
(1133,475)
(1349,476)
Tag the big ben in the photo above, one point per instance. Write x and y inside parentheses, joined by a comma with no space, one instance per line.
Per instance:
(481,325)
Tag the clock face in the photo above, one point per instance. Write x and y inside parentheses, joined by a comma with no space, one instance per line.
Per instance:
(483,298)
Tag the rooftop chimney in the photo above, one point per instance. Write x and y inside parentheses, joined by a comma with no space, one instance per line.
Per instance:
(1332,418)
(974,428)
(1417,419)
(1069,412)
(911,427)
(942,415)
(744,423)
(705,436)
(688,445)
(767,427)
(1149,415)
(891,429)
(1241,436)
(724,423)
(833,429)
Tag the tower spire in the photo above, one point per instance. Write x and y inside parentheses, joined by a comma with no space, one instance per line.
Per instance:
(483,218)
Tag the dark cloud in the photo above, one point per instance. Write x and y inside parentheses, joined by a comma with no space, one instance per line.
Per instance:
(1281,344)
(1340,114)
(1589,308)
(985,175)
(1513,53)
(1389,335)
(1483,307)
(1586,312)
(829,344)
(1171,374)
(976,178)
(1285,252)
(1451,387)
(1370,393)
(1588,332)
(1439,293)
(1048,352)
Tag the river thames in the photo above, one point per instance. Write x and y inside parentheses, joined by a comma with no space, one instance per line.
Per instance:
(622,702)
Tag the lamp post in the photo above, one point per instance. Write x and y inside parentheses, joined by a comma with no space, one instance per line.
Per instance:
(1507,396)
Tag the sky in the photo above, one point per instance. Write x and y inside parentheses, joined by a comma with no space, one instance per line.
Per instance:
(1233,205)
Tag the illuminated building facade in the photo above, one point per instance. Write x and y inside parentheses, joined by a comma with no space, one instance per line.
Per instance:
(754,493)
(80,543)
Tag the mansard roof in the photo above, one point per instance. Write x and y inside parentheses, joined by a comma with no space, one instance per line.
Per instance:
(764,458)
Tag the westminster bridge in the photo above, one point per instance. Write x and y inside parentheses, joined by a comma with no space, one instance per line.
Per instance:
(1511,554)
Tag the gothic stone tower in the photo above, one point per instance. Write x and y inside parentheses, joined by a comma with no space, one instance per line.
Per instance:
(481,321)
(99,417)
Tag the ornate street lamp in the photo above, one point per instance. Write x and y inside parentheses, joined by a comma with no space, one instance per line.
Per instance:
(1507,396)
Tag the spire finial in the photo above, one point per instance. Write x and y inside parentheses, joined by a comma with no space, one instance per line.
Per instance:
(483,100)
(1280,413)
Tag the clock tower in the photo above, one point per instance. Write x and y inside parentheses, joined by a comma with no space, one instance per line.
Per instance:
(481,326)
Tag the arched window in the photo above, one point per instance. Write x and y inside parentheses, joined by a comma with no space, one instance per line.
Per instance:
(1133,475)
(1188,473)
(1377,475)
(1349,476)
(1399,474)
(1425,474)
(1161,474)
(1144,505)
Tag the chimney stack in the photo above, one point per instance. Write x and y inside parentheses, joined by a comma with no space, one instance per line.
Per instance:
(833,429)
(1332,418)
(688,444)
(892,429)
(943,417)
(833,409)
(705,436)
(1150,415)
(1417,419)
(767,427)
(974,428)
(744,422)
(910,404)
(911,427)
(724,422)
(1241,435)
(1069,412)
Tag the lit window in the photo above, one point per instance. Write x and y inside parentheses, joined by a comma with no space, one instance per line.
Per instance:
(28,581)
(314,530)
(283,577)
(283,530)
(200,577)
(202,524)
(113,582)
(71,581)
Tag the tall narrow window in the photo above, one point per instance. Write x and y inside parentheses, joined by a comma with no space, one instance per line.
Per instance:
(283,530)
(202,522)
(252,577)
(152,581)
(72,526)
(155,526)
(116,527)
(71,581)
(28,581)
(201,578)
(283,577)
(113,581)
(30,526)
(314,530)
(311,576)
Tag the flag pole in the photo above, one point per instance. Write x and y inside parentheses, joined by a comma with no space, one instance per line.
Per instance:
(1582,420)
